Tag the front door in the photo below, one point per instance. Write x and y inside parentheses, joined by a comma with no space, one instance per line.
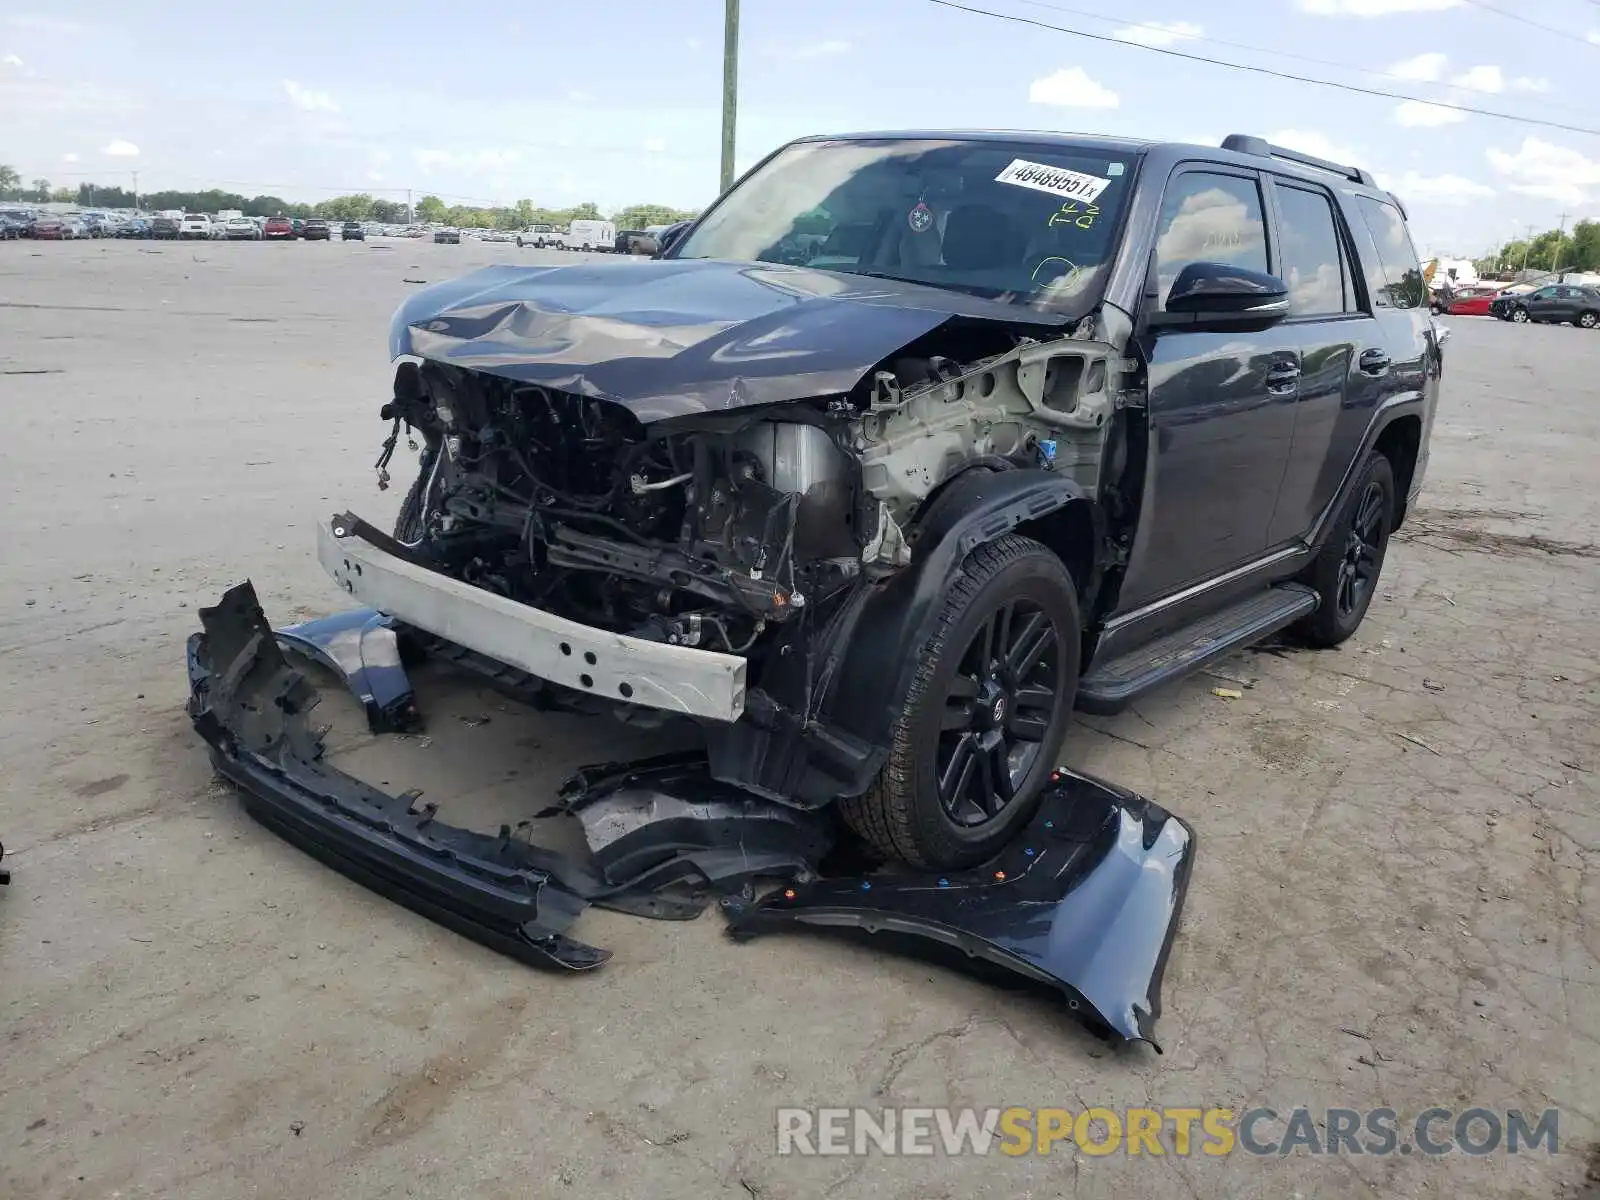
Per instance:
(1221,405)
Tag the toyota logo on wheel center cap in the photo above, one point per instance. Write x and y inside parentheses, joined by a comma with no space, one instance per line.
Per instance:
(998,713)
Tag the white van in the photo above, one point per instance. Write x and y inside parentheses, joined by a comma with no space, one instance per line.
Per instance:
(591,235)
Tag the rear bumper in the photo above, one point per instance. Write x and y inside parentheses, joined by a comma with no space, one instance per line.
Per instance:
(612,666)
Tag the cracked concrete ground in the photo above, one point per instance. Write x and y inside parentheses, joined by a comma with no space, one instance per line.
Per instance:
(1394,902)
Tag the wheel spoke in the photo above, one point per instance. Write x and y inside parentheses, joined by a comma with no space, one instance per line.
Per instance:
(1367,521)
(1029,727)
(999,773)
(963,687)
(958,771)
(957,715)
(1037,637)
(1346,590)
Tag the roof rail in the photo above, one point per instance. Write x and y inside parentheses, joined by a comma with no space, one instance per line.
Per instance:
(1243,143)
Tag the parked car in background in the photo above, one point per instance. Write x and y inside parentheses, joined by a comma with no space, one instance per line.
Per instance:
(1555,303)
(278,229)
(353,231)
(1471,302)
(16,223)
(135,227)
(59,227)
(240,229)
(626,239)
(497,235)
(165,225)
(194,225)
(452,236)
(315,229)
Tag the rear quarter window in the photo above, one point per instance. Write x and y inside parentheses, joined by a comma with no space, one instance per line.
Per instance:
(1403,285)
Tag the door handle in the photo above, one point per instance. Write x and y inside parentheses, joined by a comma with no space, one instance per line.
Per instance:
(1374,362)
(1283,376)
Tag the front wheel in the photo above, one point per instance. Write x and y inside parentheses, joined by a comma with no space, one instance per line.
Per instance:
(979,728)
(1520,316)
(1345,573)
(1588,320)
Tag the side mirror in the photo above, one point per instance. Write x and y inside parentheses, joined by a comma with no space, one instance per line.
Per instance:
(671,236)
(1216,295)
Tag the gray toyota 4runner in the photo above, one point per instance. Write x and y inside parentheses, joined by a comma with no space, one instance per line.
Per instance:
(908,446)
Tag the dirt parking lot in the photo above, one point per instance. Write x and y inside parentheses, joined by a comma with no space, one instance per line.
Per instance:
(1395,901)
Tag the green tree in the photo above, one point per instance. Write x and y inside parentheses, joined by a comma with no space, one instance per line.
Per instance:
(430,208)
(638,216)
(41,190)
(587,211)
(63,196)
(10,181)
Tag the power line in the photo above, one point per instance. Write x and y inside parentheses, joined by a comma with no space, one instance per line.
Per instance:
(1305,58)
(1511,16)
(1218,62)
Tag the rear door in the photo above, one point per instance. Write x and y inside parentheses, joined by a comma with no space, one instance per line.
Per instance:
(1343,352)
(1221,405)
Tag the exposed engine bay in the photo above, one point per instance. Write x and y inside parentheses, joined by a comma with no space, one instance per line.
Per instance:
(713,530)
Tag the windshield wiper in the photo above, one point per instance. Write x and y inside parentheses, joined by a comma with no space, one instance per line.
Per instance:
(971,289)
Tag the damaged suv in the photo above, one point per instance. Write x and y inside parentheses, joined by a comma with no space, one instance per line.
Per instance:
(912,443)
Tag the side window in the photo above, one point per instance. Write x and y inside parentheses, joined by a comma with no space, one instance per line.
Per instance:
(1209,218)
(1396,253)
(1309,260)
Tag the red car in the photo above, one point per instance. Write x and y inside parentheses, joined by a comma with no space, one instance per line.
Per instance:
(278,227)
(1471,302)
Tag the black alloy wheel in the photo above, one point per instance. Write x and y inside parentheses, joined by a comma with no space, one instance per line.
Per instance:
(1345,572)
(982,713)
(997,713)
(1363,549)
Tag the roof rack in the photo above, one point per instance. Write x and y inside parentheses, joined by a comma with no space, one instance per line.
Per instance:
(1243,143)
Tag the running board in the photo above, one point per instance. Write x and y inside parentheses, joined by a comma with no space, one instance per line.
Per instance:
(1112,686)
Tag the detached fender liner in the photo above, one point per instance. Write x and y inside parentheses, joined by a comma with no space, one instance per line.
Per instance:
(252,708)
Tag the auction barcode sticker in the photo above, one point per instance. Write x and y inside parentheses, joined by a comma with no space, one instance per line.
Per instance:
(1057,181)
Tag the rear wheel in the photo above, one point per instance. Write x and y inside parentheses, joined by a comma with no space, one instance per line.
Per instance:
(985,715)
(1588,320)
(1520,315)
(1345,573)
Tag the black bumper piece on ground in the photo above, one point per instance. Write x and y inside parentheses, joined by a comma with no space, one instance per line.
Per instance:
(253,709)
(1085,902)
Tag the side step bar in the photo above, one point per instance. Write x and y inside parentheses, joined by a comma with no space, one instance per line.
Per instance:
(1112,686)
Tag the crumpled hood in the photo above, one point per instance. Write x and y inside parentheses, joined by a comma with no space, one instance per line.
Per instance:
(672,337)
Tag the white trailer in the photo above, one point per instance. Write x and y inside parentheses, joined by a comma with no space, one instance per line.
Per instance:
(592,235)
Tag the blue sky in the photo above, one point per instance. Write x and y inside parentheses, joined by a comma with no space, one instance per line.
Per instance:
(496,102)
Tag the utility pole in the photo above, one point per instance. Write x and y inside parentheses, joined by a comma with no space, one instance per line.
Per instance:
(1527,245)
(411,212)
(136,191)
(730,87)
(1555,255)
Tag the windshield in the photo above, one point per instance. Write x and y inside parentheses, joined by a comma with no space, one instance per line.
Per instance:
(1019,222)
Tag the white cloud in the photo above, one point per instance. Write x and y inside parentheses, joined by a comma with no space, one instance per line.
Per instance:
(309,99)
(656,145)
(1372,8)
(1426,68)
(1071,88)
(1158,33)
(692,43)
(1414,114)
(1481,79)
(69,157)
(120,149)
(1543,169)
(1595,37)
(11,60)
(1523,83)
(1439,189)
(581,97)
(1318,145)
